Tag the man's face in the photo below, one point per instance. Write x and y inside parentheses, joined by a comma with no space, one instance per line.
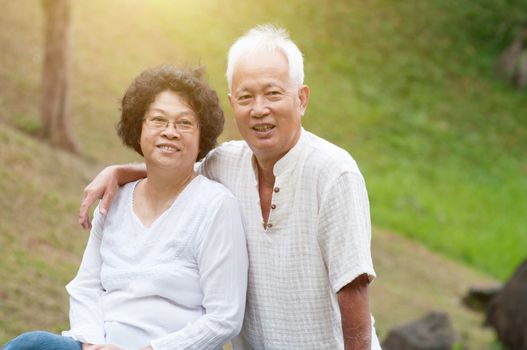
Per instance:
(267,104)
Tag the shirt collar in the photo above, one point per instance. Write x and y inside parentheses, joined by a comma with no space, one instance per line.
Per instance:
(291,158)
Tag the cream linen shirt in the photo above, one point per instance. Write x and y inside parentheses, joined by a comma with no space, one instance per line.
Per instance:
(317,240)
(178,284)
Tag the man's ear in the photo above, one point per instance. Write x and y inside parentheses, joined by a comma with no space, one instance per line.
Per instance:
(231,100)
(303,95)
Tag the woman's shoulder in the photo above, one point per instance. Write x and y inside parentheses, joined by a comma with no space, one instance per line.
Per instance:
(123,196)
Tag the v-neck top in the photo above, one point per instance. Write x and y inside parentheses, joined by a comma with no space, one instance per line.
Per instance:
(177,284)
(173,207)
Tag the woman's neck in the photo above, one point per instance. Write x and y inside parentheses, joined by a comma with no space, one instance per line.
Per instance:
(158,191)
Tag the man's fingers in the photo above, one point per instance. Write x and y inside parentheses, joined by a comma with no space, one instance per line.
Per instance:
(83,216)
(104,185)
(105,201)
(88,198)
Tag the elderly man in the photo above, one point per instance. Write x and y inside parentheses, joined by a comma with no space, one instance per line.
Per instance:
(304,203)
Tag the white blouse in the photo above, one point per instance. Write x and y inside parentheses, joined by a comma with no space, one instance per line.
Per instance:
(178,284)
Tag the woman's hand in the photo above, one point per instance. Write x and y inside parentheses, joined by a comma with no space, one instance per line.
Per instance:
(99,347)
(104,185)
(92,346)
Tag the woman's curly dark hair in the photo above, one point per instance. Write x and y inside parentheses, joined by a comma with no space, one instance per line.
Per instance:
(189,84)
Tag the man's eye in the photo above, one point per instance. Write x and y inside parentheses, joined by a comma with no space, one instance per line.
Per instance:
(244,97)
(273,94)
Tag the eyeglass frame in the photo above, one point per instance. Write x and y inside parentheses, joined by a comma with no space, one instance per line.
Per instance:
(177,123)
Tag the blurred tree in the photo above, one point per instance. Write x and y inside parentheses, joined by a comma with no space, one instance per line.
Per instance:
(512,63)
(55,104)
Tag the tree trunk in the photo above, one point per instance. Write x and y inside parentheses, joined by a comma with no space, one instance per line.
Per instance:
(512,63)
(55,104)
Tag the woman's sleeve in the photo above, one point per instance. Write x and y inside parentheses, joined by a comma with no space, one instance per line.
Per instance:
(223,264)
(85,290)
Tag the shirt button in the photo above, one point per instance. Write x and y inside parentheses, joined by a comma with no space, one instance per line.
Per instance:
(273,206)
(277,189)
(269,225)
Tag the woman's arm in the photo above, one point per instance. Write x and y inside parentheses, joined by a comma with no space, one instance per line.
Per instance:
(85,290)
(222,262)
(105,186)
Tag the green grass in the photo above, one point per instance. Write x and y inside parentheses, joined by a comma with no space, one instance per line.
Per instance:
(40,241)
(440,140)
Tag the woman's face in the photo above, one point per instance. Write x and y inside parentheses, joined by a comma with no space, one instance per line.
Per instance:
(170,133)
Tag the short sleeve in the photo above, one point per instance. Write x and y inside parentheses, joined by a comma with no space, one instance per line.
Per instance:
(344,230)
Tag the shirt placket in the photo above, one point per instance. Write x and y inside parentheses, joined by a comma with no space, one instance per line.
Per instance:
(278,206)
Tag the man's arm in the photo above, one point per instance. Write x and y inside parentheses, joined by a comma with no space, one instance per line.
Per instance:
(105,186)
(355,314)
(344,238)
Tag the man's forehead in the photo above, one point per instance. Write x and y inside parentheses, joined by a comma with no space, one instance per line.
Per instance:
(260,58)
(270,67)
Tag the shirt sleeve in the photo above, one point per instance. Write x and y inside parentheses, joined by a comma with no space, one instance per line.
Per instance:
(222,260)
(85,290)
(344,230)
(208,165)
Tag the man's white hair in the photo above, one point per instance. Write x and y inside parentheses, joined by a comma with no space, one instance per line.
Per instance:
(267,37)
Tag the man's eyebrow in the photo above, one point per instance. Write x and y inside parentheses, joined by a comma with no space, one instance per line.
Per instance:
(239,90)
(266,86)
(269,85)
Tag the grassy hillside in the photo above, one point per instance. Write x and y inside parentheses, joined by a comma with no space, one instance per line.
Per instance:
(407,87)
(40,242)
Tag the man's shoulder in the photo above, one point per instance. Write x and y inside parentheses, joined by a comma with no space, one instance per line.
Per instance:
(235,148)
(329,157)
(225,161)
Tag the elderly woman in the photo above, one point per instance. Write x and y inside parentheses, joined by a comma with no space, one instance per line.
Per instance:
(166,267)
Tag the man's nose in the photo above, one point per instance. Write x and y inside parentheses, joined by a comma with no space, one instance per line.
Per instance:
(259,108)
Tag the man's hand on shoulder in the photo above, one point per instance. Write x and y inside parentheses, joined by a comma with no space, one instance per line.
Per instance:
(104,186)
